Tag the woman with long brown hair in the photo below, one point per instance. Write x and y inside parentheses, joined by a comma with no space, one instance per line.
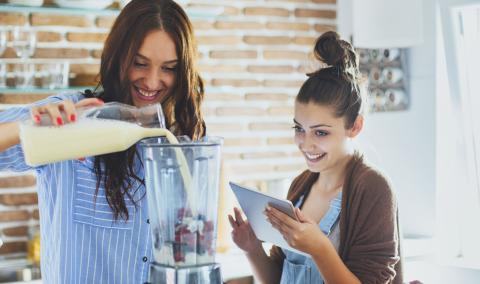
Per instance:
(93,212)
(346,211)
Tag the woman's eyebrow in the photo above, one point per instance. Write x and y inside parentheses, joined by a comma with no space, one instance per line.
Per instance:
(313,126)
(148,59)
(320,125)
(142,57)
(174,61)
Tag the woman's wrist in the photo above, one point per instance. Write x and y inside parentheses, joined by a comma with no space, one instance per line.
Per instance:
(255,250)
(319,245)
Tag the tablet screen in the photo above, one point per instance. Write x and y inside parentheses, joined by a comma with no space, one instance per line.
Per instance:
(253,204)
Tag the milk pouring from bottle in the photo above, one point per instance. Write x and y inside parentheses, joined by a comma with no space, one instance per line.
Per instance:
(87,137)
(110,128)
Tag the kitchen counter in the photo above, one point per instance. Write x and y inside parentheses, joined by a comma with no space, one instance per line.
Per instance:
(234,264)
(26,282)
(17,269)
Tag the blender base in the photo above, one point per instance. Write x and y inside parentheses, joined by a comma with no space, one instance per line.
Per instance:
(204,274)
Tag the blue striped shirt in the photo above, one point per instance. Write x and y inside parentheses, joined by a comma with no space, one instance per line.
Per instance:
(80,241)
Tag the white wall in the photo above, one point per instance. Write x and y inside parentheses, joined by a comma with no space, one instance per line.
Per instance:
(428,272)
(402,143)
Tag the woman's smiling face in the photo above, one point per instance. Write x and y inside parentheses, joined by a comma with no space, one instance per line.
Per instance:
(320,136)
(152,74)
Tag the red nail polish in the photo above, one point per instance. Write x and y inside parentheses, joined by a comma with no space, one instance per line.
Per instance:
(37,118)
(73,118)
(59,121)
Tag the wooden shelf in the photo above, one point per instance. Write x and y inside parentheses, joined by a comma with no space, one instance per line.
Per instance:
(35,90)
(197,12)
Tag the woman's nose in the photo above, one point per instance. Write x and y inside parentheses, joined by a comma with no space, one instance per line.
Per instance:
(307,143)
(152,80)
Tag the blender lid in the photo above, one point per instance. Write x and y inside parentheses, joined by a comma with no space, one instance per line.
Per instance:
(184,141)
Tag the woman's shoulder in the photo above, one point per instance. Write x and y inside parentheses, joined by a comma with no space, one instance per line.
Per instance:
(301,182)
(371,182)
(302,176)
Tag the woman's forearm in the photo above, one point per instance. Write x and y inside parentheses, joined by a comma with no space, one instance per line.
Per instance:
(332,267)
(9,135)
(264,268)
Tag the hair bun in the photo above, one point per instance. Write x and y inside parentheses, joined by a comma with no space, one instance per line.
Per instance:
(337,53)
(329,49)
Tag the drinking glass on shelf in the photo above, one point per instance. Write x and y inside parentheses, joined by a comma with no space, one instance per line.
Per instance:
(24,41)
(3,40)
(3,75)
(54,75)
(46,76)
(24,75)
(63,71)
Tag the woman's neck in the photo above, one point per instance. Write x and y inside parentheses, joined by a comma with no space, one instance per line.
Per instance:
(331,181)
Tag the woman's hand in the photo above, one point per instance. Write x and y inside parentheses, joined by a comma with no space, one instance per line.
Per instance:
(67,107)
(303,235)
(242,234)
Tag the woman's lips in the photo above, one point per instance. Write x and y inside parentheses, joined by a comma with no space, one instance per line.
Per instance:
(314,157)
(146,95)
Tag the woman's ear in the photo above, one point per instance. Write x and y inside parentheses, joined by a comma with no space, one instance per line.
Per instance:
(357,127)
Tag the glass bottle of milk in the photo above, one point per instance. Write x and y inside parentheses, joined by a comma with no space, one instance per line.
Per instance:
(110,128)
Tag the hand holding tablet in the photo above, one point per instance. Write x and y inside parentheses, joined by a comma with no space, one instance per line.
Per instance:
(253,203)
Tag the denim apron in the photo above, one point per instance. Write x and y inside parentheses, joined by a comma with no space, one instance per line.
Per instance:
(300,269)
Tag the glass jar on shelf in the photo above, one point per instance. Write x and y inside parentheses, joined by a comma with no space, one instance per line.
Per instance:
(33,246)
(24,41)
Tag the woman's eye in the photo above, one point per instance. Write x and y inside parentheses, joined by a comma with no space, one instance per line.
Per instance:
(169,69)
(320,133)
(297,129)
(138,64)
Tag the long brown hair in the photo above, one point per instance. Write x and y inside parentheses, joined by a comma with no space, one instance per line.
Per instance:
(339,84)
(181,106)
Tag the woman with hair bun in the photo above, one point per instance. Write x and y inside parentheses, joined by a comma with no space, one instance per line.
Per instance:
(347,212)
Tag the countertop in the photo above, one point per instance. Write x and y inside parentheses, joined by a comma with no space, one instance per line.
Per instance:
(234,264)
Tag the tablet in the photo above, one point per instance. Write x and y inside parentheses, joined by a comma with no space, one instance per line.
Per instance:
(253,204)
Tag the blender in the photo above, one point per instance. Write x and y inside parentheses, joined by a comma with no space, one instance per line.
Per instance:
(182,182)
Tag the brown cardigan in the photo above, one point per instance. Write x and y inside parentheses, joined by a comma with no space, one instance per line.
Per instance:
(369,234)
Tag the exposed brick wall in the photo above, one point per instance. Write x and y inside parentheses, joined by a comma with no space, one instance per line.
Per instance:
(18,209)
(253,58)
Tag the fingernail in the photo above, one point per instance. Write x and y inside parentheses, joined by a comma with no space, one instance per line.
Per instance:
(73,118)
(267,208)
(59,121)
(81,159)
(37,118)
